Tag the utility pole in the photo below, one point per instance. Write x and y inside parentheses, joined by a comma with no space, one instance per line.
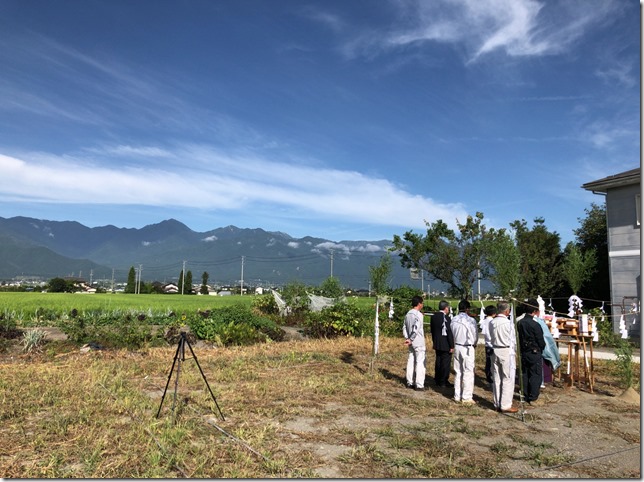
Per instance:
(138,286)
(331,263)
(241,286)
(183,277)
(91,275)
(112,280)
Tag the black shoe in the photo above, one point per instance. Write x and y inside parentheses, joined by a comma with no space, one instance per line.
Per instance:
(420,389)
(440,385)
(409,386)
(449,385)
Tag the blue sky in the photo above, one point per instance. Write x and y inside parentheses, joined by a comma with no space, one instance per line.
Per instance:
(346,120)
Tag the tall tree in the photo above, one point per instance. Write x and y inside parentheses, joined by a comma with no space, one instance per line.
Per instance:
(503,257)
(58,285)
(187,289)
(578,267)
(204,283)
(592,234)
(541,256)
(452,257)
(130,287)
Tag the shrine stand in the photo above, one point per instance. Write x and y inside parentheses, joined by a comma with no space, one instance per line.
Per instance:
(578,336)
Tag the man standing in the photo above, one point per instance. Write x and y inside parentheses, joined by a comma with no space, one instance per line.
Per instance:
(466,337)
(490,313)
(502,335)
(443,342)
(415,341)
(532,343)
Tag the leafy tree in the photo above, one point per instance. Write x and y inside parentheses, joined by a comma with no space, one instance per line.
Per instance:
(378,275)
(331,288)
(503,257)
(131,281)
(593,235)
(58,285)
(204,283)
(540,251)
(452,257)
(578,267)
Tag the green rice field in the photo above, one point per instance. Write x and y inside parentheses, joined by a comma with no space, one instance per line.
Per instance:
(25,305)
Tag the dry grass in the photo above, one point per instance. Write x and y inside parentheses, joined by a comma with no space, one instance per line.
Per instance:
(293,409)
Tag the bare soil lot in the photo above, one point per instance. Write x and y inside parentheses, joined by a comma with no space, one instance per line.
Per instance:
(302,408)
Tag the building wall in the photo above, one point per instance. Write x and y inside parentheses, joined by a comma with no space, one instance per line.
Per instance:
(624,245)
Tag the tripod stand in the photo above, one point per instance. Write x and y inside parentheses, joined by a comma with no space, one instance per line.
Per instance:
(180,356)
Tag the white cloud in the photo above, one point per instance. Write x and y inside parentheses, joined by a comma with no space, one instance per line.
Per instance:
(293,244)
(368,248)
(216,181)
(209,239)
(514,27)
(621,73)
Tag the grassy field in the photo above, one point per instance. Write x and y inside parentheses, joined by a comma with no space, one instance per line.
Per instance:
(309,408)
(29,303)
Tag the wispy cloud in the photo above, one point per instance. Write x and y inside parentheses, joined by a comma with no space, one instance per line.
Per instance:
(54,80)
(621,72)
(216,181)
(514,27)
(324,17)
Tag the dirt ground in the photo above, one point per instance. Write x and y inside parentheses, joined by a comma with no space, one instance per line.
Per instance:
(577,434)
(599,432)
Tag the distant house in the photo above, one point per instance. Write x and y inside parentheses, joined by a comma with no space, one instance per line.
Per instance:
(170,288)
(623,217)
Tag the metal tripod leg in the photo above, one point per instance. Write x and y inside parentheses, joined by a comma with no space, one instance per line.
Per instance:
(204,379)
(174,362)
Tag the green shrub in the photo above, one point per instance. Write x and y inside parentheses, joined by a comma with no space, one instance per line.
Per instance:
(233,325)
(607,337)
(33,339)
(624,363)
(296,297)
(8,325)
(344,318)
(265,305)
(114,329)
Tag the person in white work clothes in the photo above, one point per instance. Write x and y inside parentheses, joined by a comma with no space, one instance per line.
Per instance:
(503,337)
(415,341)
(465,331)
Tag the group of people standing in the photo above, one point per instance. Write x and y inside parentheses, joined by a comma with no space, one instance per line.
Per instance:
(457,338)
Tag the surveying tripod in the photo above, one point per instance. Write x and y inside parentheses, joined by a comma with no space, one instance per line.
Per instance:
(180,356)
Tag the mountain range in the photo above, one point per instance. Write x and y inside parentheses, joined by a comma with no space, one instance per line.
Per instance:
(40,248)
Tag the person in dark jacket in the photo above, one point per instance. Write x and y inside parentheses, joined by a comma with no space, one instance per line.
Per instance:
(443,341)
(531,345)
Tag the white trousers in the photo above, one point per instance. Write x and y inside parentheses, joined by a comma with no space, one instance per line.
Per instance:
(503,370)
(464,368)
(416,366)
